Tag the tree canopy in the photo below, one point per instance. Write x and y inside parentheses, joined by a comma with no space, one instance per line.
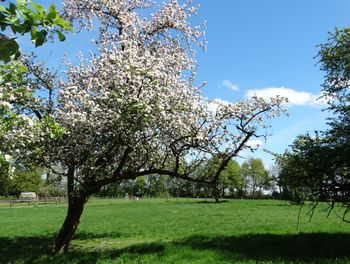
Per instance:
(20,80)
(129,109)
(230,178)
(255,176)
(317,167)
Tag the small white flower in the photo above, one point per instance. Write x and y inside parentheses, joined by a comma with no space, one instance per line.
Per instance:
(6,104)
(7,157)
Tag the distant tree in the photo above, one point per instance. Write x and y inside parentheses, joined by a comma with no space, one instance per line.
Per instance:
(5,176)
(26,180)
(157,186)
(116,189)
(230,177)
(178,187)
(139,186)
(255,176)
(334,61)
(274,175)
(317,167)
(53,188)
(16,178)
(299,178)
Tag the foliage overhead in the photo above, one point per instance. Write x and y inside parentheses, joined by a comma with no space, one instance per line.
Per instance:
(28,17)
(20,79)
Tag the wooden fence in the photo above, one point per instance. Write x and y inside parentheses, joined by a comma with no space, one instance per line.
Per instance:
(33,202)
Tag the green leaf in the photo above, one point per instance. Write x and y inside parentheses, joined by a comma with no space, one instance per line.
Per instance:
(39,39)
(61,36)
(52,15)
(21,4)
(52,9)
(63,23)
(30,17)
(37,7)
(44,32)
(12,9)
(22,68)
(33,33)
(26,27)
(3,25)
(8,48)
(13,19)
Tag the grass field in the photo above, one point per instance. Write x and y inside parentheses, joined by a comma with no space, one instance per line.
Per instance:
(176,231)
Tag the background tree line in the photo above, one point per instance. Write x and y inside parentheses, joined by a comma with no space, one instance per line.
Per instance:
(17,178)
(249,180)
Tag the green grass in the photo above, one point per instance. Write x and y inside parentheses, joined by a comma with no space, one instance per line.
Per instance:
(176,231)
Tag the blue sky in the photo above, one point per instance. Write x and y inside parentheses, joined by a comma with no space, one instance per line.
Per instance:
(254,45)
(257,44)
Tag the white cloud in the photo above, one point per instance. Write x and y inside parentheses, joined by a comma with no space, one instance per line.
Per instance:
(230,85)
(294,97)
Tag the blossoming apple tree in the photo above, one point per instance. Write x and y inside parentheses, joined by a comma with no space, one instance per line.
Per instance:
(130,108)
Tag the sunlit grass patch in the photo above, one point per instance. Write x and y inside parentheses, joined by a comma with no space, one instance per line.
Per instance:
(177,231)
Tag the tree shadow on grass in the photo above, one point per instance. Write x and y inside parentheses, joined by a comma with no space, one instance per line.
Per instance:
(39,249)
(24,249)
(304,248)
(301,248)
(211,202)
(79,256)
(202,201)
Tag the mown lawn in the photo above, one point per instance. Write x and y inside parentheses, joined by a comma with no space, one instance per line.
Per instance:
(177,231)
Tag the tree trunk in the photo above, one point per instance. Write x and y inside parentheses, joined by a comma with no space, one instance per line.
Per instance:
(216,192)
(76,202)
(254,190)
(75,209)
